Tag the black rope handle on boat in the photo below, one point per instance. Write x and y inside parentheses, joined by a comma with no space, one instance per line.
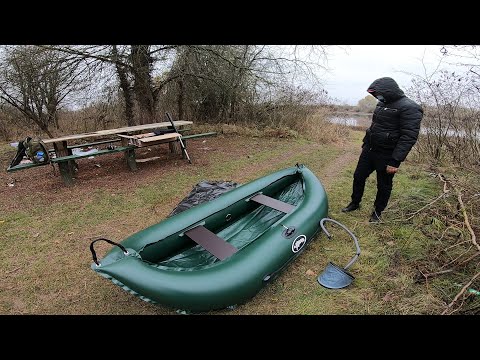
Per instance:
(110,242)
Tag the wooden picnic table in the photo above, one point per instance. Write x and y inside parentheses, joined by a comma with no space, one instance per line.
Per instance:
(60,145)
(122,130)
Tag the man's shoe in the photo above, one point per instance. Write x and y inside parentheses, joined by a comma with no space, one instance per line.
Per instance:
(375,217)
(350,207)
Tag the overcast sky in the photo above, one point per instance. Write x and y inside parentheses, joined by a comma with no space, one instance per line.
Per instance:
(355,67)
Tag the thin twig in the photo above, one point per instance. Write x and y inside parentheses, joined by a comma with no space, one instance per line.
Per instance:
(430,275)
(12,271)
(438,273)
(445,192)
(431,203)
(458,257)
(470,258)
(458,307)
(454,245)
(461,292)
(422,208)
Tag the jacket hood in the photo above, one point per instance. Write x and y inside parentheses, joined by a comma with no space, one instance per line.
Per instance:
(387,87)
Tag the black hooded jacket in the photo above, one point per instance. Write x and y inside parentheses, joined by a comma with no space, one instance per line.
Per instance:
(395,122)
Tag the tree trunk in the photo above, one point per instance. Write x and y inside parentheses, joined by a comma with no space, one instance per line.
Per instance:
(55,121)
(181,83)
(46,131)
(181,92)
(127,95)
(52,116)
(125,86)
(231,115)
(142,86)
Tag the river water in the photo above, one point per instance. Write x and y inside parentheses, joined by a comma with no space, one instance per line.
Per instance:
(364,121)
(350,120)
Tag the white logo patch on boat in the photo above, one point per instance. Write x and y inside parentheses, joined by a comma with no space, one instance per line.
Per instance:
(298,243)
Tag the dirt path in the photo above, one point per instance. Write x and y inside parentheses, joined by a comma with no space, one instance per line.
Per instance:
(349,155)
(272,162)
(328,172)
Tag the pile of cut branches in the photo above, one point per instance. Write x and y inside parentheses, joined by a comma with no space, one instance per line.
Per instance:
(452,261)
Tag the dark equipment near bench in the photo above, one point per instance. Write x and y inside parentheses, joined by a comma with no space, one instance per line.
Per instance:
(29,148)
(19,155)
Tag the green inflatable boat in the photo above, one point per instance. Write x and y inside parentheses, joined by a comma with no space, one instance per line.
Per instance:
(220,253)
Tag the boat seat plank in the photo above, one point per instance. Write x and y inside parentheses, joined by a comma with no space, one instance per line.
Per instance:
(273,203)
(148,139)
(215,245)
(154,139)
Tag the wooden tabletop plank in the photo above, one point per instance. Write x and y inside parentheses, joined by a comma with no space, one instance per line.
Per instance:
(118,131)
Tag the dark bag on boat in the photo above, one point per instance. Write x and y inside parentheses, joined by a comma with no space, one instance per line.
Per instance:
(202,192)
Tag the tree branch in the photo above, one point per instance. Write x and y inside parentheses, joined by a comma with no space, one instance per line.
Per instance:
(88,55)
(460,293)
(467,222)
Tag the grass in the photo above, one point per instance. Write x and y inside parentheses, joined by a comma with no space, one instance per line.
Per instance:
(45,261)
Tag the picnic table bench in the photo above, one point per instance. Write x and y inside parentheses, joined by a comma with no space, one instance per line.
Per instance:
(100,152)
(25,166)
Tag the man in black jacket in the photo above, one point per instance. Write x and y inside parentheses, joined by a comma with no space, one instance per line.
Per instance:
(387,142)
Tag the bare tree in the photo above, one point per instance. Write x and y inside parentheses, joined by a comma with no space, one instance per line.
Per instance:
(367,104)
(462,55)
(134,65)
(36,82)
(451,125)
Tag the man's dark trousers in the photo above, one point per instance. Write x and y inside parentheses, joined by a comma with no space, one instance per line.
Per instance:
(368,162)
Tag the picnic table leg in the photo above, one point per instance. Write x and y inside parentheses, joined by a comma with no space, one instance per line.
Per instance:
(129,156)
(66,168)
(174,147)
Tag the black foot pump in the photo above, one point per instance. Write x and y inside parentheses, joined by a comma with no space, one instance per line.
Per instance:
(335,277)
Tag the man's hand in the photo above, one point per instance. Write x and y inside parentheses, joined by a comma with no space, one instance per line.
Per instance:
(391,169)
